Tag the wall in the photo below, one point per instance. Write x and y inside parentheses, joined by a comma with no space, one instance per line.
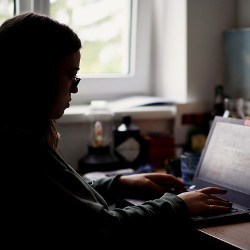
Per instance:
(205,22)
(169,49)
(243,17)
(187,47)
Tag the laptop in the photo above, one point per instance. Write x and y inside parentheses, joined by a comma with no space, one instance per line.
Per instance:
(225,163)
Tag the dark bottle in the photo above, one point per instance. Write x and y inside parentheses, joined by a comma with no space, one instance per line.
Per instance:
(218,109)
(128,143)
(196,138)
(219,104)
(197,132)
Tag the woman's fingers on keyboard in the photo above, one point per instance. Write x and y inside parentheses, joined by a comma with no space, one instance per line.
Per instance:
(219,202)
(212,190)
(218,208)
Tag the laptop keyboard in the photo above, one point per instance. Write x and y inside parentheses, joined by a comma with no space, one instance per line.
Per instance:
(232,210)
(214,213)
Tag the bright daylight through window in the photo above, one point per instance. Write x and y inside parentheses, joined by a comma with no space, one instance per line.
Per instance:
(6,10)
(112,63)
(104,28)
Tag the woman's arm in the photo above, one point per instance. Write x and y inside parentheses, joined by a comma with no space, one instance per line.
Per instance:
(154,185)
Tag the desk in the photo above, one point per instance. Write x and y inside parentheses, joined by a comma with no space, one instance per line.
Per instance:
(224,236)
(230,236)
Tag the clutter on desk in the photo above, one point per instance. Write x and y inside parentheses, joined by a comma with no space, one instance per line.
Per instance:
(189,163)
(199,125)
(128,143)
(100,174)
(218,105)
(100,155)
(147,168)
(160,148)
(229,106)
(122,146)
(197,132)
(174,167)
(237,108)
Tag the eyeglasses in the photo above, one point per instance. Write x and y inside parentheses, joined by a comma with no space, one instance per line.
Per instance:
(75,80)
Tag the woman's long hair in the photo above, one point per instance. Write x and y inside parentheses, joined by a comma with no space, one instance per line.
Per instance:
(31,46)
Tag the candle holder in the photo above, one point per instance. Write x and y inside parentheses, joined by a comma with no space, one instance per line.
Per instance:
(100,141)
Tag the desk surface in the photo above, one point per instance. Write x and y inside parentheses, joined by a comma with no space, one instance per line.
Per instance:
(226,236)
(230,236)
(223,236)
(235,235)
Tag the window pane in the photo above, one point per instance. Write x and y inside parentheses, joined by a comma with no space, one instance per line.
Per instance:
(6,10)
(104,28)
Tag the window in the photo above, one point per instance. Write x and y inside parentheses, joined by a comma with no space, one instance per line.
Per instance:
(117,39)
(104,28)
(6,10)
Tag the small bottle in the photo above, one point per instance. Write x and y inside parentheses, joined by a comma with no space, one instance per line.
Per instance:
(219,108)
(219,104)
(128,143)
(227,112)
(240,108)
(197,134)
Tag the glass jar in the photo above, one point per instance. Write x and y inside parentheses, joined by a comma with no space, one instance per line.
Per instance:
(100,119)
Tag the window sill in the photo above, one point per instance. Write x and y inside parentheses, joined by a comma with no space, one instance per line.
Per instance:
(77,113)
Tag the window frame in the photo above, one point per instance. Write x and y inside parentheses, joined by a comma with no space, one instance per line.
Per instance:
(113,86)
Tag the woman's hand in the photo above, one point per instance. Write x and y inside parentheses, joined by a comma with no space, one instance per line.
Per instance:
(203,200)
(149,185)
